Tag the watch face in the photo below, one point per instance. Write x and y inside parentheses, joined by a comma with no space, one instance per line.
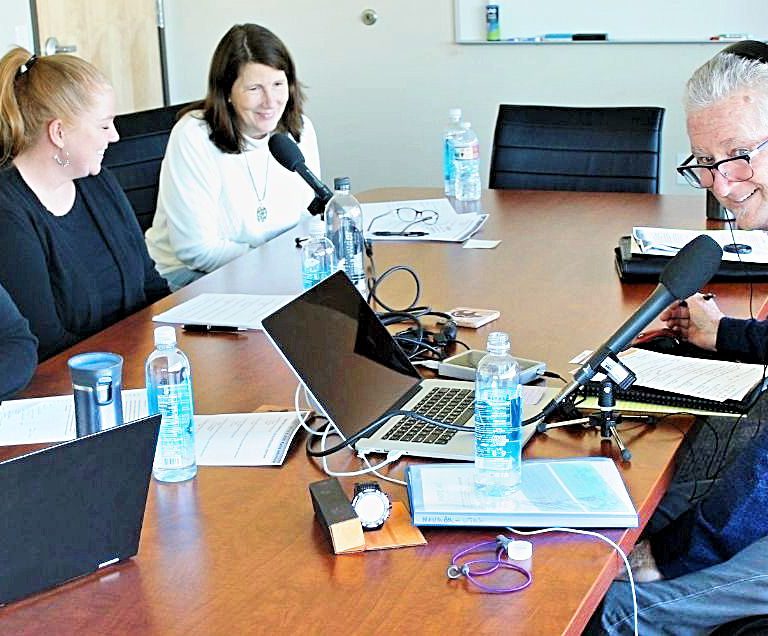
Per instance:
(371,506)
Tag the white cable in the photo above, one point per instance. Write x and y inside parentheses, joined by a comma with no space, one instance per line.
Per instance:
(392,456)
(355,473)
(302,419)
(603,538)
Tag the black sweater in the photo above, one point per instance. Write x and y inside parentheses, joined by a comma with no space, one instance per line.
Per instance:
(18,348)
(50,281)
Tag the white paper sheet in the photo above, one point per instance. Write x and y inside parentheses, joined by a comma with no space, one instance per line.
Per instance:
(52,419)
(450,226)
(244,439)
(243,311)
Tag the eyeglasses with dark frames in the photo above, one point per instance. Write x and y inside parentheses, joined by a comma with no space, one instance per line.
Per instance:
(409,216)
(738,168)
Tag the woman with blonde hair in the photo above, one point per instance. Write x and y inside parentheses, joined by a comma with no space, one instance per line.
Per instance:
(72,256)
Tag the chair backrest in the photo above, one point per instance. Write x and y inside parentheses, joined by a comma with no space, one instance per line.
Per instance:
(135,159)
(585,149)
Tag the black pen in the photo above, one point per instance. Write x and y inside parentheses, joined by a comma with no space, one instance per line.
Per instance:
(211,328)
(384,233)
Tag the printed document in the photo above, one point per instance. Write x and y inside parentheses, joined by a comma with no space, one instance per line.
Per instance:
(244,439)
(239,311)
(718,380)
(659,241)
(382,222)
(240,439)
(52,419)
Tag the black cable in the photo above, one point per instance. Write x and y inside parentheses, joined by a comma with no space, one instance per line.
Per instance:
(377,423)
(379,280)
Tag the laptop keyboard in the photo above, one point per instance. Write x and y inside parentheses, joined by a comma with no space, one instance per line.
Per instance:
(455,406)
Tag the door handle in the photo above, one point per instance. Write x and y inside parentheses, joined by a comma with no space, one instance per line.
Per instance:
(52,46)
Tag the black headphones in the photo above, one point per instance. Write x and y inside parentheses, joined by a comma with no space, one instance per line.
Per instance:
(417,342)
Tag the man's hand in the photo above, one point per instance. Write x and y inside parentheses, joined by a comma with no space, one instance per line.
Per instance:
(695,320)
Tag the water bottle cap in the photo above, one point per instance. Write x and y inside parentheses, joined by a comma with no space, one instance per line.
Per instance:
(165,335)
(454,113)
(498,341)
(342,183)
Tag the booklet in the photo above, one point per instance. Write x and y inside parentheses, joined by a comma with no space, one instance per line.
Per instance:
(581,492)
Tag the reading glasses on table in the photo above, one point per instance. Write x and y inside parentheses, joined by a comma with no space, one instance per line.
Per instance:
(737,168)
(409,216)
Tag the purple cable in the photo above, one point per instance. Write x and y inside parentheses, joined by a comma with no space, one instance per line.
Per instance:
(456,570)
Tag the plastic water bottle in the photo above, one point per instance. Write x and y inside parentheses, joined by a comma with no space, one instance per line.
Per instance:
(318,257)
(169,392)
(466,162)
(497,419)
(451,131)
(344,227)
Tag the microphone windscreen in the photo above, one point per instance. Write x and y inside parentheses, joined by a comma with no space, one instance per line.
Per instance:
(285,150)
(692,267)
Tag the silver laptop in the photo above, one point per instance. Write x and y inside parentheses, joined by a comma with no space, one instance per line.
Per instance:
(73,508)
(356,372)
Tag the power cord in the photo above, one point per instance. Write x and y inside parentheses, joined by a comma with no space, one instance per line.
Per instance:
(373,426)
(602,537)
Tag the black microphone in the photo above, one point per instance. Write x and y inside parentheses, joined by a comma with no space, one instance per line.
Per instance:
(289,155)
(688,271)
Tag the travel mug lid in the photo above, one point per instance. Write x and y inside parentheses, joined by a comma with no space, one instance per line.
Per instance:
(95,368)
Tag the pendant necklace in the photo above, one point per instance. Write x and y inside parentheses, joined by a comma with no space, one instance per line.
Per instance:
(261,211)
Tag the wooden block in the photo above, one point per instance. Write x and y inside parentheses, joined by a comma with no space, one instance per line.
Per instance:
(336,516)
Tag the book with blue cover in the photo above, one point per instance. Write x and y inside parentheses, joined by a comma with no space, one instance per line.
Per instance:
(581,492)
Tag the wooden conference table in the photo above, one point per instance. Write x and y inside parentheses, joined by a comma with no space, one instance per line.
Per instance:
(237,549)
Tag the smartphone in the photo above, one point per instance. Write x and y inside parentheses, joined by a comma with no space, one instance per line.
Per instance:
(463,366)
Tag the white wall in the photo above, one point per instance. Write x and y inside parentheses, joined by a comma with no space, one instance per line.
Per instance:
(378,95)
(16,25)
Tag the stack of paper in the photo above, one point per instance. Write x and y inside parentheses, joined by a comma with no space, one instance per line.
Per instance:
(658,241)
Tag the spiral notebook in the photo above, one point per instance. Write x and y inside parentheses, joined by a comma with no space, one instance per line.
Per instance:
(716,386)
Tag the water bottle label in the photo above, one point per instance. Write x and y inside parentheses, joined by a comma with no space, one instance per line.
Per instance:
(176,439)
(465,153)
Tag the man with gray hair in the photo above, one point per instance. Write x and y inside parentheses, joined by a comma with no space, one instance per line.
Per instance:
(704,563)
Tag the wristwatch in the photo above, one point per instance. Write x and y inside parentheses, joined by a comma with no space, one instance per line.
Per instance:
(372,505)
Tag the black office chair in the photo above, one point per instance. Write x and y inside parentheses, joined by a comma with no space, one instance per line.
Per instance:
(583,149)
(135,159)
(750,626)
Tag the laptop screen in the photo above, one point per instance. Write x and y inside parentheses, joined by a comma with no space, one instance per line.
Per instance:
(344,355)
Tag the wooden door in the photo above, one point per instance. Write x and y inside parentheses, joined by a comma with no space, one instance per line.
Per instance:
(120,37)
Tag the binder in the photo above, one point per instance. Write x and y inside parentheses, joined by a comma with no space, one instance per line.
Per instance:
(683,402)
(648,395)
(635,268)
(581,492)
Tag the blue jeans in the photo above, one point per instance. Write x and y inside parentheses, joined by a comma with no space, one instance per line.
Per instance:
(694,603)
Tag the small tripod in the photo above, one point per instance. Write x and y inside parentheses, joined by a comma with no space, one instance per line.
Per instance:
(606,418)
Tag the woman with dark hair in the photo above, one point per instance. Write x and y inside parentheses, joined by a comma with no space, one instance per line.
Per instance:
(221,192)
(72,256)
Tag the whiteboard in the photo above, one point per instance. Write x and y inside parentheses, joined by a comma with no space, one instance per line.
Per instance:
(621,21)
